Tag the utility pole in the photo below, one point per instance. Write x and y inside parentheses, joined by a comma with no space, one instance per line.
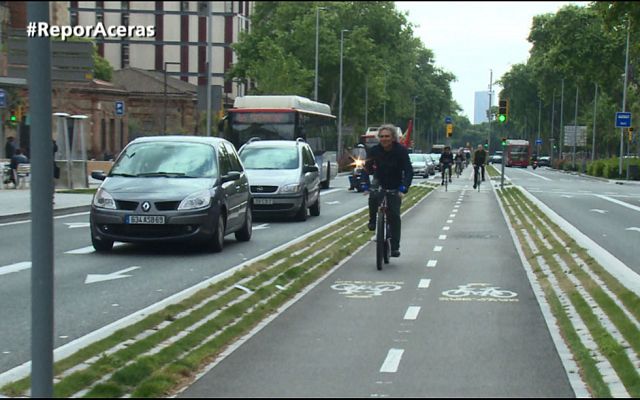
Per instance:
(595,113)
(561,142)
(490,115)
(575,130)
(624,96)
(553,111)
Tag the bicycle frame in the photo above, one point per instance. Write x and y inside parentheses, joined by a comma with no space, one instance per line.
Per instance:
(383,231)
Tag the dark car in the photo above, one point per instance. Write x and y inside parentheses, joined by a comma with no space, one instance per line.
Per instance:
(172,189)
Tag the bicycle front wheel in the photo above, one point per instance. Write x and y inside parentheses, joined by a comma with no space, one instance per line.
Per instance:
(380,242)
(387,244)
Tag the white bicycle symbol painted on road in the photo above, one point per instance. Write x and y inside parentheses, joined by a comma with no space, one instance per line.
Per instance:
(479,289)
(362,290)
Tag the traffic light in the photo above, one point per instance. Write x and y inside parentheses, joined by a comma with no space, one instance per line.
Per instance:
(449,130)
(504,141)
(503,110)
(13,117)
(486,145)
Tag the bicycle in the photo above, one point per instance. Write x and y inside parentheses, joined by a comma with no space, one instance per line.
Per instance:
(446,179)
(458,169)
(476,177)
(383,230)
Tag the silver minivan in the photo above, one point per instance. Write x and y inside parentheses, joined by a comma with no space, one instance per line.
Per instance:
(283,177)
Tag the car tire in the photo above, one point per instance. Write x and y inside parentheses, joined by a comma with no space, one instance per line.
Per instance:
(101,246)
(314,210)
(244,234)
(217,240)
(301,215)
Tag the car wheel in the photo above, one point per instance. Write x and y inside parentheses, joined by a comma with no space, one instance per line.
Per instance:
(244,234)
(315,208)
(217,241)
(101,245)
(301,215)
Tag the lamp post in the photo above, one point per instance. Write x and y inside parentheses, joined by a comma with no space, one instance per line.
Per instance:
(340,101)
(315,87)
(624,97)
(415,138)
(164,126)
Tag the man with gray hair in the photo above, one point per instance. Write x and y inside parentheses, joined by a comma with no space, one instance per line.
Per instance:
(391,168)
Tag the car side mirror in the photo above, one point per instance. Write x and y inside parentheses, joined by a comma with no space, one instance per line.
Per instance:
(231,176)
(99,175)
(310,168)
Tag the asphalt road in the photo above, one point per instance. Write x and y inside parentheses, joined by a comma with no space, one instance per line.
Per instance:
(93,290)
(421,327)
(606,212)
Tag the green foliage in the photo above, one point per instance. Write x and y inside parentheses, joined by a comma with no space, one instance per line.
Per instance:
(380,56)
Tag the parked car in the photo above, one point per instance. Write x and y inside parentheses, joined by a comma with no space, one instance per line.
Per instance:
(172,189)
(436,159)
(544,161)
(419,164)
(283,177)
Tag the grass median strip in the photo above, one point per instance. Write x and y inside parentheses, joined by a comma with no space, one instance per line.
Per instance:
(154,356)
(615,331)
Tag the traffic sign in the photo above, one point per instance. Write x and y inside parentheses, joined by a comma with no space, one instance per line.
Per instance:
(119,108)
(3,99)
(538,141)
(623,119)
(447,120)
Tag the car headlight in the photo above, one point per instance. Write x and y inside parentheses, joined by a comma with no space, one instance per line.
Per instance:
(103,199)
(196,200)
(293,188)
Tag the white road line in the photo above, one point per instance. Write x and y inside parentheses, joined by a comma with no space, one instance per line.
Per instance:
(622,203)
(424,283)
(392,362)
(537,176)
(437,248)
(452,215)
(412,312)
(449,221)
(446,228)
(432,263)
(442,237)
(329,191)
(8,269)
(89,249)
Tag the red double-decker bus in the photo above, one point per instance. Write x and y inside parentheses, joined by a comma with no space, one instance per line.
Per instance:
(517,153)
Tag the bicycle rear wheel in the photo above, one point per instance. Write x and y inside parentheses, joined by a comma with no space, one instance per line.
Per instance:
(380,242)
(387,244)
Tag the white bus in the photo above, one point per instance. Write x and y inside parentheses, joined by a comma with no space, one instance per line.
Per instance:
(287,118)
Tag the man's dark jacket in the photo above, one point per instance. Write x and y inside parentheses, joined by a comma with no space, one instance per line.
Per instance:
(391,168)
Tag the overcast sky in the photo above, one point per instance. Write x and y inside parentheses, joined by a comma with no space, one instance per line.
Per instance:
(470,39)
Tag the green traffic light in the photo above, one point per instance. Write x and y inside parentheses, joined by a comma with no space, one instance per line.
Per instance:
(502,117)
(13,118)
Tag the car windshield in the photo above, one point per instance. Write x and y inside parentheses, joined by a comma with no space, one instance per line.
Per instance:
(270,157)
(416,157)
(167,159)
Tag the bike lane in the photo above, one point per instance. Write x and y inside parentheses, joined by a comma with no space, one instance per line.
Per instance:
(453,316)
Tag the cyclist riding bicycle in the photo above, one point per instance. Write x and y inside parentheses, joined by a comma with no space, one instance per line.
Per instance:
(390,166)
(459,159)
(446,161)
(479,159)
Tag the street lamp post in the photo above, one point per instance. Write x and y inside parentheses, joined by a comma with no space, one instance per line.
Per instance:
(340,101)
(164,125)
(315,88)
(624,97)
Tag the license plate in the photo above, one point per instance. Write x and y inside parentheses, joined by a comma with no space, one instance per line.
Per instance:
(263,201)
(145,219)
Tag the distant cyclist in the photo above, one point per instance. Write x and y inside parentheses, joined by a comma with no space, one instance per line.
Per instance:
(459,159)
(390,166)
(479,159)
(446,161)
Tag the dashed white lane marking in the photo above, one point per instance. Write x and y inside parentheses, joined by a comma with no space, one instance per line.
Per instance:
(452,215)
(424,283)
(437,248)
(442,237)
(412,312)
(89,249)
(622,203)
(392,362)
(432,263)
(449,221)
(445,228)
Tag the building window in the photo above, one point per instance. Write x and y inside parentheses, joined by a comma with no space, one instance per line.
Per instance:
(124,55)
(184,6)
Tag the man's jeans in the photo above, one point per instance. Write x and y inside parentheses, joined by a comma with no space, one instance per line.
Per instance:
(393,205)
(476,174)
